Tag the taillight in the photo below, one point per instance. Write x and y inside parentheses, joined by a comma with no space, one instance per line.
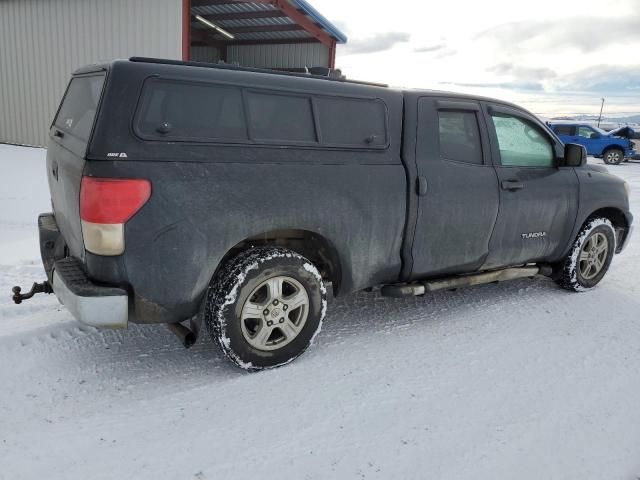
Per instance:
(106,204)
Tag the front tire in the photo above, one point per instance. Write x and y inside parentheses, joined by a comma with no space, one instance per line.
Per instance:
(613,156)
(265,307)
(590,256)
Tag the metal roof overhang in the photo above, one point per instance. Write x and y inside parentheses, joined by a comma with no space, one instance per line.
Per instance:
(256,22)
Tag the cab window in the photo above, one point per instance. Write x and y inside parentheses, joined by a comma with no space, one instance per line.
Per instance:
(585,132)
(521,143)
(564,129)
(459,137)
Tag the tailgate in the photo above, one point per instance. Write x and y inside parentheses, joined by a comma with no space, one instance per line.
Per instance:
(66,151)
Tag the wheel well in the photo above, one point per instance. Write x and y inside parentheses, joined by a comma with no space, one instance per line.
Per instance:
(613,147)
(311,245)
(616,217)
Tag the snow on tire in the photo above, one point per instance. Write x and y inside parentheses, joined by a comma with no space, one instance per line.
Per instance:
(590,256)
(265,307)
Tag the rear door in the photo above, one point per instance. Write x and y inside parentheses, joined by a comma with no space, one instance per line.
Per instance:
(68,138)
(566,133)
(538,200)
(457,188)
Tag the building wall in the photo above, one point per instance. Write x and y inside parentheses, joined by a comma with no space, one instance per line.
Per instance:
(43,41)
(205,54)
(279,56)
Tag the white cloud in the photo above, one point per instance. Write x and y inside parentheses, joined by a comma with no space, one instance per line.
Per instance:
(531,55)
(375,43)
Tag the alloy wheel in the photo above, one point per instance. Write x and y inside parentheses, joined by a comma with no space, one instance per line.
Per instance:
(274,313)
(593,256)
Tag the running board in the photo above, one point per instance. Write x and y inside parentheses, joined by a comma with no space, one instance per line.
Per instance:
(426,286)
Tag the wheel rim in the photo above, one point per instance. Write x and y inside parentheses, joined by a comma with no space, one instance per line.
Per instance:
(274,314)
(593,256)
(613,157)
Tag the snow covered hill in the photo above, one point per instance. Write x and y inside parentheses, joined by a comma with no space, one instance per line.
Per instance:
(515,380)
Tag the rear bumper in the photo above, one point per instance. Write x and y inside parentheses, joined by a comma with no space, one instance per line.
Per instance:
(98,306)
(90,303)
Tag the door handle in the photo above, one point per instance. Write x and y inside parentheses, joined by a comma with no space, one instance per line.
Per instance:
(512,185)
(421,186)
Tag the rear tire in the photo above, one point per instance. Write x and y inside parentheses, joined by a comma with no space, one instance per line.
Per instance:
(613,156)
(590,256)
(265,307)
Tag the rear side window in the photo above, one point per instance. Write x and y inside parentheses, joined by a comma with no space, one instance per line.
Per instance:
(563,129)
(175,110)
(459,136)
(78,109)
(352,122)
(276,117)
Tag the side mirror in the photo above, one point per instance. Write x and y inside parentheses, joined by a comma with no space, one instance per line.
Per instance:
(574,155)
(594,136)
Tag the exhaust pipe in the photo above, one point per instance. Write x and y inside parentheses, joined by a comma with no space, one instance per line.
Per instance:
(186,336)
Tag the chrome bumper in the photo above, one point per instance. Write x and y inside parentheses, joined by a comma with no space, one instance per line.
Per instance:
(103,307)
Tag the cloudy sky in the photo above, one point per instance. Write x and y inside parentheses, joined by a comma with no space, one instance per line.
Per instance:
(551,56)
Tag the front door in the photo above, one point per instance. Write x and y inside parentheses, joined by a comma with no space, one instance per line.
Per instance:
(592,140)
(457,188)
(538,200)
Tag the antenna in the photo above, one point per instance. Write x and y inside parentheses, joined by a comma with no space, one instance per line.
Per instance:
(600,116)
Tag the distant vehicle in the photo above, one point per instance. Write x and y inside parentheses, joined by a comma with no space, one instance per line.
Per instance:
(613,147)
(211,197)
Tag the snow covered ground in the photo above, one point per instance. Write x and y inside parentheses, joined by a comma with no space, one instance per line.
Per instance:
(515,380)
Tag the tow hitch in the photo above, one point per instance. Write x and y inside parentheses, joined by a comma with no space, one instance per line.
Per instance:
(44,287)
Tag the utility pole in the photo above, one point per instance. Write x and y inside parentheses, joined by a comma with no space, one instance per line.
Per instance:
(600,117)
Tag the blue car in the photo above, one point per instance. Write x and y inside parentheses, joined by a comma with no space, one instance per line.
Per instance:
(612,146)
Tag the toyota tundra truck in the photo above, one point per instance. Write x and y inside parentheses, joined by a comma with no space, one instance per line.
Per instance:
(235,201)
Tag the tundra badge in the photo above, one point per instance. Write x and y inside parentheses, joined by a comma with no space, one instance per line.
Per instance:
(526,236)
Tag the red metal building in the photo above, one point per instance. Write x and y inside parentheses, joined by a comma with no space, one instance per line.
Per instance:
(285,34)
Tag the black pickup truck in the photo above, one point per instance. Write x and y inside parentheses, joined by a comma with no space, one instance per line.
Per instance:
(231,199)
